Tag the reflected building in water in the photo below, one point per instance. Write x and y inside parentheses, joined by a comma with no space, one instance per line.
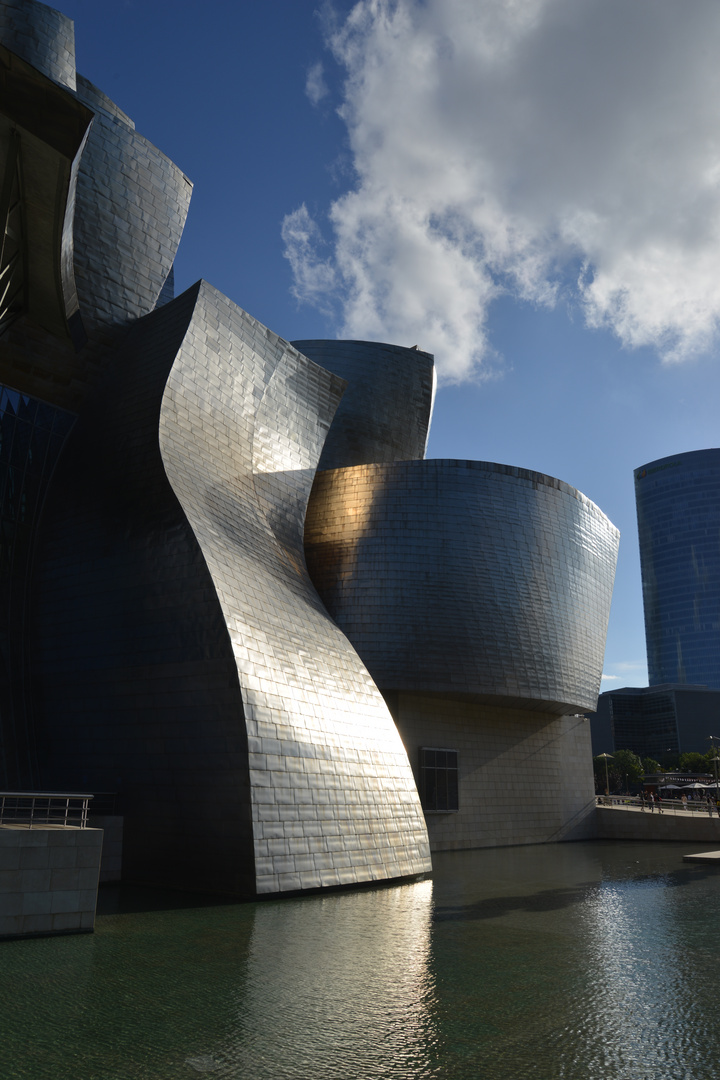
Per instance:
(234,591)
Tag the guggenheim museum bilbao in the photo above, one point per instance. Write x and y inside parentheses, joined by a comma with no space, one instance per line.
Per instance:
(233,590)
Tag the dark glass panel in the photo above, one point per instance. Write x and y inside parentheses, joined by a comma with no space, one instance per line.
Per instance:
(20,444)
(45,415)
(7,430)
(441,803)
(27,408)
(430,789)
(10,401)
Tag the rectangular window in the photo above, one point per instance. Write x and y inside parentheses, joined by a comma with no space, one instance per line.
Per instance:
(439,780)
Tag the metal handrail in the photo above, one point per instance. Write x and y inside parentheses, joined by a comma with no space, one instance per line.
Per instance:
(61,809)
(630,802)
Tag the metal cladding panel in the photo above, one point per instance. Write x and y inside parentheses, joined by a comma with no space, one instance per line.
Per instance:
(121,206)
(127,658)
(678,508)
(46,127)
(466,577)
(385,412)
(130,211)
(40,35)
(243,421)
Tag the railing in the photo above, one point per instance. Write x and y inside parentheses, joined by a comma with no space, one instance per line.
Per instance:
(56,809)
(675,806)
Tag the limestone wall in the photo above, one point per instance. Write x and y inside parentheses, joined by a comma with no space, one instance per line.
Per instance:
(524,777)
(48,880)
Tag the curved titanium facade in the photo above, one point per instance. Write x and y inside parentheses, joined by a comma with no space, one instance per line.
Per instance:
(105,238)
(678,508)
(385,412)
(466,577)
(124,247)
(41,36)
(333,796)
(181,652)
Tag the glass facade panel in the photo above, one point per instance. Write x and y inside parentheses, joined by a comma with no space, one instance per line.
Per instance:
(28,454)
(678,505)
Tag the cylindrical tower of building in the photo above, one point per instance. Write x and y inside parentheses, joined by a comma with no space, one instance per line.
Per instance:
(678,508)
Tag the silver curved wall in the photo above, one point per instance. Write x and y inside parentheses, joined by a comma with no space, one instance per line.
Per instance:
(466,577)
(124,215)
(385,412)
(42,36)
(130,211)
(243,420)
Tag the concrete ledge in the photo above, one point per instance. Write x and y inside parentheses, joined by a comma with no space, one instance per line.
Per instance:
(712,857)
(48,880)
(620,823)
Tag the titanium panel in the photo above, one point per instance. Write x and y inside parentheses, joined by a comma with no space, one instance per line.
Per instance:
(385,412)
(466,577)
(243,420)
(131,206)
(42,36)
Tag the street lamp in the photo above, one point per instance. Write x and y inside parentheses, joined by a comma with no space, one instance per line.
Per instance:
(607,781)
(712,739)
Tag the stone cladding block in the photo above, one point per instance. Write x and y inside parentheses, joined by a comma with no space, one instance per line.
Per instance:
(466,577)
(385,412)
(48,880)
(40,35)
(524,777)
(243,420)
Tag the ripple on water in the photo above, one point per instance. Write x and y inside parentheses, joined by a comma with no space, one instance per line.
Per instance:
(570,962)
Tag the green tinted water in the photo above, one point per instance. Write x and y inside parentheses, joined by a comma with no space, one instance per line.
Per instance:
(563,962)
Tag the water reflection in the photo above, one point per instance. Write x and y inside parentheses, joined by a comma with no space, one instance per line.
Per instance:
(563,962)
(339,987)
(646,1014)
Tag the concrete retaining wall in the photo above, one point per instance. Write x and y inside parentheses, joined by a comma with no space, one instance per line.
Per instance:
(615,823)
(48,880)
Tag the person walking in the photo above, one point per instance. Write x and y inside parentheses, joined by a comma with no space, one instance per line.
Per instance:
(683,800)
(652,802)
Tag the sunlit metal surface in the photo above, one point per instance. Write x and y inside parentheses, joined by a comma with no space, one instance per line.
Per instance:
(333,796)
(466,577)
(385,412)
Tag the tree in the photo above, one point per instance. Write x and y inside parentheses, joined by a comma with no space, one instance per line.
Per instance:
(650,765)
(623,767)
(710,757)
(693,762)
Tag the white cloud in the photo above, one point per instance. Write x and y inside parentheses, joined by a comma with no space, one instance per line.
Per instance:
(536,146)
(314,278)
(315,86)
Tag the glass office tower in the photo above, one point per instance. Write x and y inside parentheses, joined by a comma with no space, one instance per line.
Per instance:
(678,507)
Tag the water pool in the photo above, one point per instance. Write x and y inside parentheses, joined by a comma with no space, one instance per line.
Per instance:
(560,962)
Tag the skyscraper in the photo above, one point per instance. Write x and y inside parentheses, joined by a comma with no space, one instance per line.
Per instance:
(678,507)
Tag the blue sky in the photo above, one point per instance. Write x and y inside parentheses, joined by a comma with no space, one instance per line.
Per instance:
(531,190)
